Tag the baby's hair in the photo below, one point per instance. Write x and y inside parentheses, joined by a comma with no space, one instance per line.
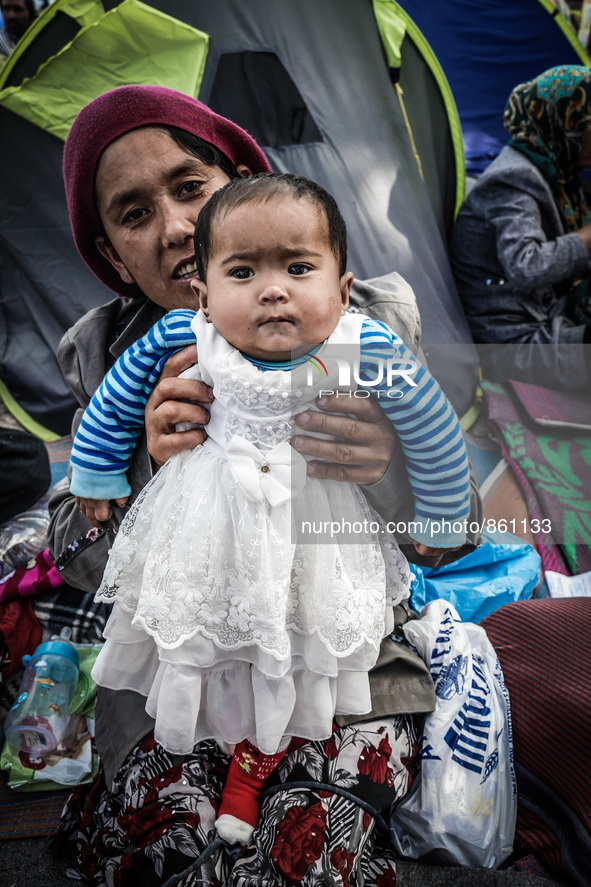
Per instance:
(261,188)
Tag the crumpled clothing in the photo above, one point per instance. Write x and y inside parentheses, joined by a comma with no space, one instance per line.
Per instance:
(37,576)
(158,816)
(20,634)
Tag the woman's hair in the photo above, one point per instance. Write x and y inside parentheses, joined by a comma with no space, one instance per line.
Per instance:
(261,189)
(204,151)
(120,111)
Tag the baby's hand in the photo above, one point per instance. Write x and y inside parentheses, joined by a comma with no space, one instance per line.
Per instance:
(429,551)
(96,511)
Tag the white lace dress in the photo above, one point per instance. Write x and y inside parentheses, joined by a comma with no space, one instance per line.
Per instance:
(231,620)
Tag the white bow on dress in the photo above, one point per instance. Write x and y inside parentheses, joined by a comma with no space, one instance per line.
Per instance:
(276,475)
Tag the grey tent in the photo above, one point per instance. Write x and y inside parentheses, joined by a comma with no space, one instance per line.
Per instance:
(345,93)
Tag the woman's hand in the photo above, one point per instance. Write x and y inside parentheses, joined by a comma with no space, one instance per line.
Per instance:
(366,439)
(175,400)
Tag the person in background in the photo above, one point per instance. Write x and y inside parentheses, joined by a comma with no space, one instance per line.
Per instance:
(18,15)
(521,244)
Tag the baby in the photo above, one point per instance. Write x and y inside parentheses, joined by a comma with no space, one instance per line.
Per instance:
(231,623)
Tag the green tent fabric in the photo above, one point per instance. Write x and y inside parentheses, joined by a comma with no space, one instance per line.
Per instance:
(445,184)
(130,44)
(41,37)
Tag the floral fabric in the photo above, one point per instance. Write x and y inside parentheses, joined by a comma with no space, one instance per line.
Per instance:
(320,822)
(547,118)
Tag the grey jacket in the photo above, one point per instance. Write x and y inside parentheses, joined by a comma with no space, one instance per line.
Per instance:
(510,256)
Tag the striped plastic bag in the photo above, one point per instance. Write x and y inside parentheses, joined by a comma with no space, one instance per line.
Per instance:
(461,809)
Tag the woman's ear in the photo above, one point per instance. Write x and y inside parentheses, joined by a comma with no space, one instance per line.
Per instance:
(243,171)
(111,255)
(200,290)
(345,283)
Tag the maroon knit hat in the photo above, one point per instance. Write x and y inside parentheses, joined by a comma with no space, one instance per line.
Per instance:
(112,115)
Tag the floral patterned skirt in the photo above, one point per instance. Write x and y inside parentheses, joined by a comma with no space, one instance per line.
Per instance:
(322,821)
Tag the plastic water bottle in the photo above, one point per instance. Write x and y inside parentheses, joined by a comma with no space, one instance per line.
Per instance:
(37,721)
(22,538)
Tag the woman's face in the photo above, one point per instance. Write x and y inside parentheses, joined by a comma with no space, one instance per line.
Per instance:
(149,194)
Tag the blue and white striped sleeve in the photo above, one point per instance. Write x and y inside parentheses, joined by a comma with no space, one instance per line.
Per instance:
(113,420)
(429,431)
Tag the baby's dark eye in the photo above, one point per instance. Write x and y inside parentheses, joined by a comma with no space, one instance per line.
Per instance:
(242,273)
(298,268)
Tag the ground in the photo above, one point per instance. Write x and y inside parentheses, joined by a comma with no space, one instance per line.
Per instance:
(29,863)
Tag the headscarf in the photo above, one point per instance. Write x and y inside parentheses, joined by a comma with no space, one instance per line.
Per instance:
(118,112)
(547,118)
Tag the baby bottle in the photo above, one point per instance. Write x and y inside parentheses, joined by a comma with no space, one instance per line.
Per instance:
(37,721)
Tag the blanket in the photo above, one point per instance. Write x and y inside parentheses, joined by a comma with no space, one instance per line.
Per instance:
(543,648)
(552,463)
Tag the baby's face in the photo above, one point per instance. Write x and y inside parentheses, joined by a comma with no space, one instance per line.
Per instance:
(273,283)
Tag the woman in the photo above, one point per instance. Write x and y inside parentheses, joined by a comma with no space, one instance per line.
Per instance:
(520,245)
(137,172)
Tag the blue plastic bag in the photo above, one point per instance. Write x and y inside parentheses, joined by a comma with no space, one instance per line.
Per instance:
(480,582)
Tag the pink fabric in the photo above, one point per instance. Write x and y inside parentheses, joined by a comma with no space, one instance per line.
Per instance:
(112,115)
(29,580)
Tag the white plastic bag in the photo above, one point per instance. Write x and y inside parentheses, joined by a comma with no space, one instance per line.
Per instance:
(462,808)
